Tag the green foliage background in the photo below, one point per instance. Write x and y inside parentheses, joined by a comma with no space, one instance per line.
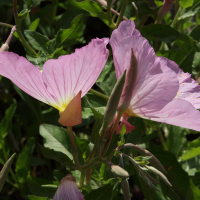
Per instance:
(58,27)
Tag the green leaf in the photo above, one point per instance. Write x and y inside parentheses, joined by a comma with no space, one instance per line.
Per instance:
(24,161)
(182,53)
(95,136)
(196,191)
(190,195)
(31,102)
(58,175)
(108,85)
(34,24)
(90,6)
(6,124)
(186,3)
(165,33)
(39,60)
(104,193)
(37,198)
(29,3)
(105,72)
(191,153)
(65,35)
(5,170)
(22,15)
(58,139)
(175,174)
(35,186)
(176,140)
(58,156)
(190,13)
(38,41)
(135,135)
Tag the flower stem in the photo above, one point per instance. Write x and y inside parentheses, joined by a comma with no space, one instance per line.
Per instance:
(107,144)
(74,149)
(176,18)
(142,21)
(99,94)
(26,45)
(82,179)
(136,12)
(121,14)
(88,179)
(162,140)
(6,25)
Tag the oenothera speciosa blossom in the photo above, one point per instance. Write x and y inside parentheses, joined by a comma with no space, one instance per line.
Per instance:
(161,91)
(63,81)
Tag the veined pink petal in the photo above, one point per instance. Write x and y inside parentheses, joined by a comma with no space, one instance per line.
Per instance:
(70,74)
(152,90)
(61,79)
(179,112)
(125,29)
(189,89)
(25,75)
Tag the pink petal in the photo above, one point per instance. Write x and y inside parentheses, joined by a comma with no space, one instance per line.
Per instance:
(153,90)
(25,75)
(68,190)
(125,29)
(123,121)
(189,89)
(129,127)
(70,74)
(179,113)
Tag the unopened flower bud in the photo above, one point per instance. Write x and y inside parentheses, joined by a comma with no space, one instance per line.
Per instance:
(129,84)
(160,174)
(119,172)
(154,161)
(68,190)
(113,102)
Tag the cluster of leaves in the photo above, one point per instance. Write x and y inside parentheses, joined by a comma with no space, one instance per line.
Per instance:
(57,27)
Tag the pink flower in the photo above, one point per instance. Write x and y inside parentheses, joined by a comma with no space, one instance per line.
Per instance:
(158,93)
(61,80)
(68,190)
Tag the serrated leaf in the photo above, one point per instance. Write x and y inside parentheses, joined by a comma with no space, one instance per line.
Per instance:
(5,170)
